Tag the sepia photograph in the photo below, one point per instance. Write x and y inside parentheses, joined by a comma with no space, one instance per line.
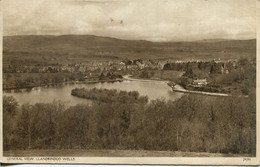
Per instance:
(128,78)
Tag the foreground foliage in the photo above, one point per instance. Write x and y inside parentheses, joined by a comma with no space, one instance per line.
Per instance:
(192,123)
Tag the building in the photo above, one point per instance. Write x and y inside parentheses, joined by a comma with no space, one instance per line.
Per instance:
(199,82)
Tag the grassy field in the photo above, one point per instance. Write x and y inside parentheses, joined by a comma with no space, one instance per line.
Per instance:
(167,75)
(164,75)
(112,153)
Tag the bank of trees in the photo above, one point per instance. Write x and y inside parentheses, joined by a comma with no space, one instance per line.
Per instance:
(29,80)
(109,95)
(191,123)
(208,66)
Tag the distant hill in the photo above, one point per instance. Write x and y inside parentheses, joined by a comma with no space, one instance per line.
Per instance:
(213,40)
(80,48)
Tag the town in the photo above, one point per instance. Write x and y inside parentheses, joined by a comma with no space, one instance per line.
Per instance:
(138,64)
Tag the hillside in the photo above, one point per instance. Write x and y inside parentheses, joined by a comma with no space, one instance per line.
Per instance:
(80,48)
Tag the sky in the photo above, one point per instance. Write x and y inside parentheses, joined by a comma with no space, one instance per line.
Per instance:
(153,20)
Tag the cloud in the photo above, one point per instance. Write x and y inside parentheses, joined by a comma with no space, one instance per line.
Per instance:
(155,20)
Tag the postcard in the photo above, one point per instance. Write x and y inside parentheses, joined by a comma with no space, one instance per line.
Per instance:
(130,82)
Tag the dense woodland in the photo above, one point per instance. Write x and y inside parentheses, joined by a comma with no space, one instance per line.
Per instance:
(192,123)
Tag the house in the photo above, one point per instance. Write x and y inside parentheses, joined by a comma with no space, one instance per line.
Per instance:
(199,82)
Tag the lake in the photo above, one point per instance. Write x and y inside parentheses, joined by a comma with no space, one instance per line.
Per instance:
(150,88)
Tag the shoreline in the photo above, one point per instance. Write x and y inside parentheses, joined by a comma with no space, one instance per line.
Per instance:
(56,84)
(180,89)
(175,88)
(129,77)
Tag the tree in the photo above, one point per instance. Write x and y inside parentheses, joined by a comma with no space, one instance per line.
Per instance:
(26,127)
(189,73)
(9,120)
(9,105)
